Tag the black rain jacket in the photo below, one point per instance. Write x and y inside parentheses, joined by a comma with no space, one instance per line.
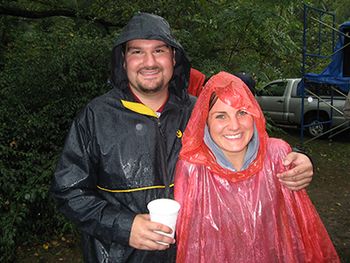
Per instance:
(117,157)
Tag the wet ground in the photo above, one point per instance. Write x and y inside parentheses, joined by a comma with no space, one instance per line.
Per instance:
(329,191)
(330,188)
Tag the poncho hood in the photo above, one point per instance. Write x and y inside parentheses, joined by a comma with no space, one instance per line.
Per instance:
(232,91)
(151,27)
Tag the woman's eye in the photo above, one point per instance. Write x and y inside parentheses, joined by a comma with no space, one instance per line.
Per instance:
(220,116)
(242,113)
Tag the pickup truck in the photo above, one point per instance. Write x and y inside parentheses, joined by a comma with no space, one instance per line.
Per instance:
(279,100)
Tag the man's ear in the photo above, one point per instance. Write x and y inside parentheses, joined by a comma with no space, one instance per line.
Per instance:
(124,47)
(174,53)
(124,63)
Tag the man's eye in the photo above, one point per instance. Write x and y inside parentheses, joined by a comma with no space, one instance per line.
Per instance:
(159,51)
(134,52)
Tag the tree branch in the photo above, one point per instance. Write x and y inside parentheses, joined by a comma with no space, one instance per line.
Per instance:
(17,12)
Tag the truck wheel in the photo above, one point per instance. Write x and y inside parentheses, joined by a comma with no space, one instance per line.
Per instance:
(318,127)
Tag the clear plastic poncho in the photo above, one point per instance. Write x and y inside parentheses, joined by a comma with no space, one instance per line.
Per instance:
(244,216)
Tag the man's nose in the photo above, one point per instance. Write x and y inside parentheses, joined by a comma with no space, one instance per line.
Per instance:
(149,60)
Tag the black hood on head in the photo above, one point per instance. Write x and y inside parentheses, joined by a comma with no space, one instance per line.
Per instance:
(153,27)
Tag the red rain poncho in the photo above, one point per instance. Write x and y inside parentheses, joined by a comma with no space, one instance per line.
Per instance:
(245,216)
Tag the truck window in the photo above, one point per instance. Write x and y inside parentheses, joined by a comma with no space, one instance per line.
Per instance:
(274,89)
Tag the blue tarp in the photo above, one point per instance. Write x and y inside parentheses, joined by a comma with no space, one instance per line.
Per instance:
(333,73)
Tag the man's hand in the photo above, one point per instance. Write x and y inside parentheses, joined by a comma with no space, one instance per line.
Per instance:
(300,175)
(142,234)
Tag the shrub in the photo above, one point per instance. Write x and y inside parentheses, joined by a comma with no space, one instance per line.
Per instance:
(47,77)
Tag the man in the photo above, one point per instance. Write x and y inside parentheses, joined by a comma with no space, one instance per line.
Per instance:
(248,80)
(122,148)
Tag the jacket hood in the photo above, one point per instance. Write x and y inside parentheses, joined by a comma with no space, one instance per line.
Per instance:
(152,27)
(233,92)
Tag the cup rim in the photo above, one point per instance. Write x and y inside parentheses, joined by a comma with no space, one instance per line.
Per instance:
(175,208)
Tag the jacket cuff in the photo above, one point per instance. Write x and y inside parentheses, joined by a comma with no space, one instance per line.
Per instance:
(122,229)
(298,150)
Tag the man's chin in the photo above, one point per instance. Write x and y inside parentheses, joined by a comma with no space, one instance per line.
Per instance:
(151,90)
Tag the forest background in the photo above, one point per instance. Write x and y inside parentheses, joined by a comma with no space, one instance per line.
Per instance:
(55,57)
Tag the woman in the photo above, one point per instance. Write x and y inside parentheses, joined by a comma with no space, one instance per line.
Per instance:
(234,209)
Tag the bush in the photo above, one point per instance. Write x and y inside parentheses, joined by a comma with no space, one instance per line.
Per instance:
(47,77)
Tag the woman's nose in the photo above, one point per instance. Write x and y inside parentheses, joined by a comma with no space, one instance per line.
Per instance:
(234,123)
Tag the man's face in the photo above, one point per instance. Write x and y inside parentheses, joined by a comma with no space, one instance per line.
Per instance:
(149,65)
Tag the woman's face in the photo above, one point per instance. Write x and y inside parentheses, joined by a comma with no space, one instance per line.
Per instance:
(230,129)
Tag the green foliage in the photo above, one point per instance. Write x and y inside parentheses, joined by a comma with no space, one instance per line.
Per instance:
(53,64)
(51,69)
(244,35)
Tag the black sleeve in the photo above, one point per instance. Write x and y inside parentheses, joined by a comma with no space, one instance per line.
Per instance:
(298,150)
(74,189)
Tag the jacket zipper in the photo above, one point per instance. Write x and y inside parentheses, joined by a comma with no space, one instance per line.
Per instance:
(163,163)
